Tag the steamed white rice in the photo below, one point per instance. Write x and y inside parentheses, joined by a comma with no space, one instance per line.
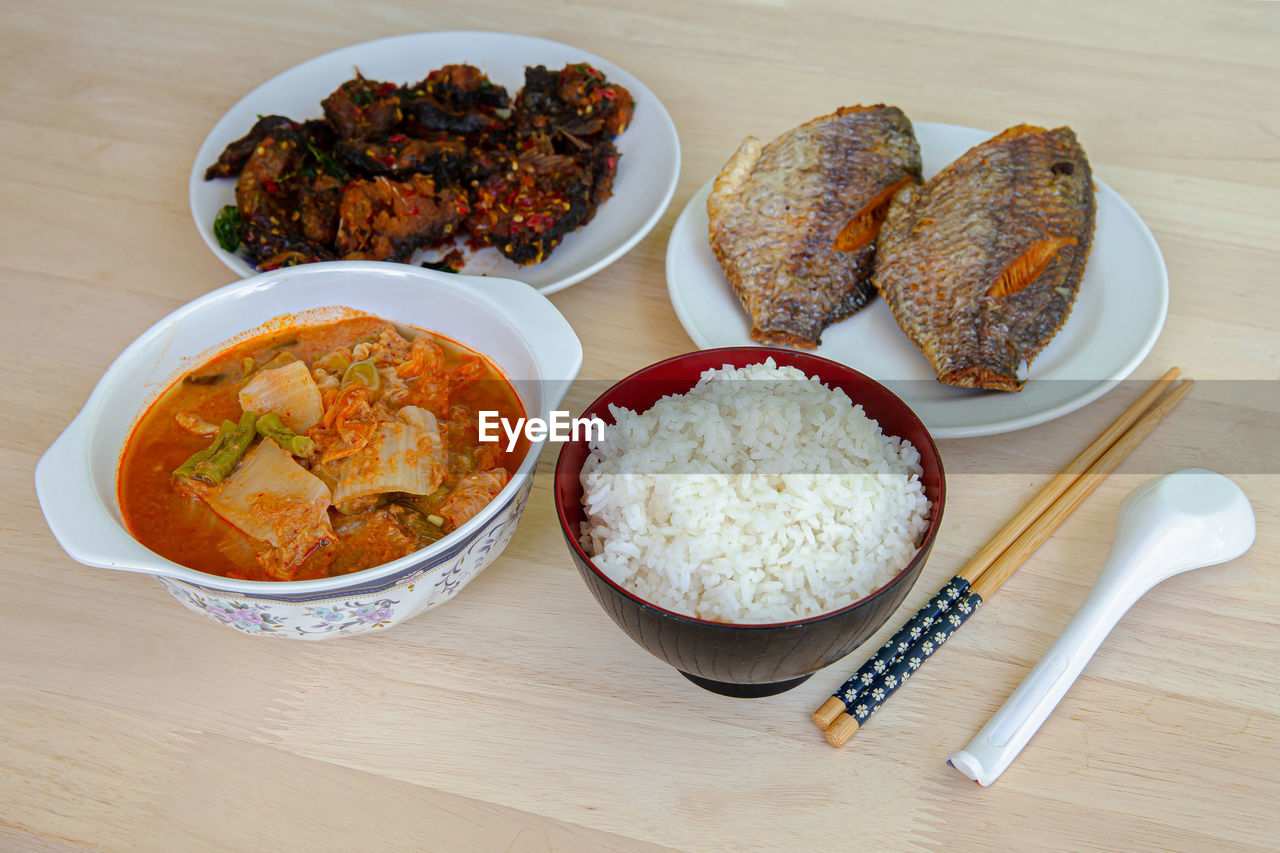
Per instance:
(758,496)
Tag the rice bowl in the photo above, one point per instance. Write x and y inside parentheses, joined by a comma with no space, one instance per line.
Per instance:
(760,496)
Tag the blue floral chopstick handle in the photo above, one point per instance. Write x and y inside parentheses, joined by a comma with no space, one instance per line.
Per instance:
(896,675)
(860,682)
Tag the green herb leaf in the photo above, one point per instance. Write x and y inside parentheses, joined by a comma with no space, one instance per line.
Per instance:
(226,227)
(327,164)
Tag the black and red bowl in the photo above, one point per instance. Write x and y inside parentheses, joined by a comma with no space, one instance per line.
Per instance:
(747,660)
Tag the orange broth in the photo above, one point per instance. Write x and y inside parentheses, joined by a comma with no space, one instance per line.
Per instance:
(186,530)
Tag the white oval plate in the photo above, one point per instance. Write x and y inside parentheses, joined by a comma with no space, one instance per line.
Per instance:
(1116,319)
(648,167)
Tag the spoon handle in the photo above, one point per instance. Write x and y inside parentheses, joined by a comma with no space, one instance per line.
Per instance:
(993,749)
(1181,521)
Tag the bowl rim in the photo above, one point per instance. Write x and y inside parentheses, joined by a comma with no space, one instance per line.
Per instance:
(926,543)
(497,294)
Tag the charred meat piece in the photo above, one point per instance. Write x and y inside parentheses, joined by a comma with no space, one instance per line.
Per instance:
(601,162)
(273,247)
(525,210)
(451,261)
(315,134)
(288,207)
(363,109)
(319,138)
(401,156)
(235,155)
(456,100)
(794,222)
(576,101)
(386,220)
(425,116)
(318,205)
(266,191)
(463,87)
(981,264)
(586,90)
(319,133)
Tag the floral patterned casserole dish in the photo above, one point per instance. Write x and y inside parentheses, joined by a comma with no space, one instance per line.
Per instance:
(515,327)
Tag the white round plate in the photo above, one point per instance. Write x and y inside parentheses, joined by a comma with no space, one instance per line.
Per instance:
(1116,319)
(648,167)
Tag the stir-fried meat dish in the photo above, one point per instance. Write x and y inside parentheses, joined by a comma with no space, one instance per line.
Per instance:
(392,169)
(316,451)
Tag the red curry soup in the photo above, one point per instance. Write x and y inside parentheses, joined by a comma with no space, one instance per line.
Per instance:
(317,450)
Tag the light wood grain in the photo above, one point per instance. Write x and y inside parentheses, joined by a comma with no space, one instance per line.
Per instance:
(128,723)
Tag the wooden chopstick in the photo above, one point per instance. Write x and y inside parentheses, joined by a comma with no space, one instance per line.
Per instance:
(842,714)
(1064,478)
(888,654)
(1044,526)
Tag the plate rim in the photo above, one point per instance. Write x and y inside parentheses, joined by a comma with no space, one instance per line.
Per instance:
(665,127)
(1097,389)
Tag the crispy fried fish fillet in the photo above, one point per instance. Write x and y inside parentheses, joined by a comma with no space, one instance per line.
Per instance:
(982,264)
(794,222)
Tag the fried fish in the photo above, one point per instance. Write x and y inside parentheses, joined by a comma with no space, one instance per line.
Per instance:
(794,222)
(981,264)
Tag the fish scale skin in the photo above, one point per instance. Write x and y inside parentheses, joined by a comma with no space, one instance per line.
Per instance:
(776,210)
(944,244)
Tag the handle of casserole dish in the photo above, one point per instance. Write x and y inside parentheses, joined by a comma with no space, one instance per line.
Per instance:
(85,528)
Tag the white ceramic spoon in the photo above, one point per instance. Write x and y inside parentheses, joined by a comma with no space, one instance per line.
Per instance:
(1181,521)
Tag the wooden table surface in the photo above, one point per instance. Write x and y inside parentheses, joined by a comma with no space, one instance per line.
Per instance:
(517,717)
